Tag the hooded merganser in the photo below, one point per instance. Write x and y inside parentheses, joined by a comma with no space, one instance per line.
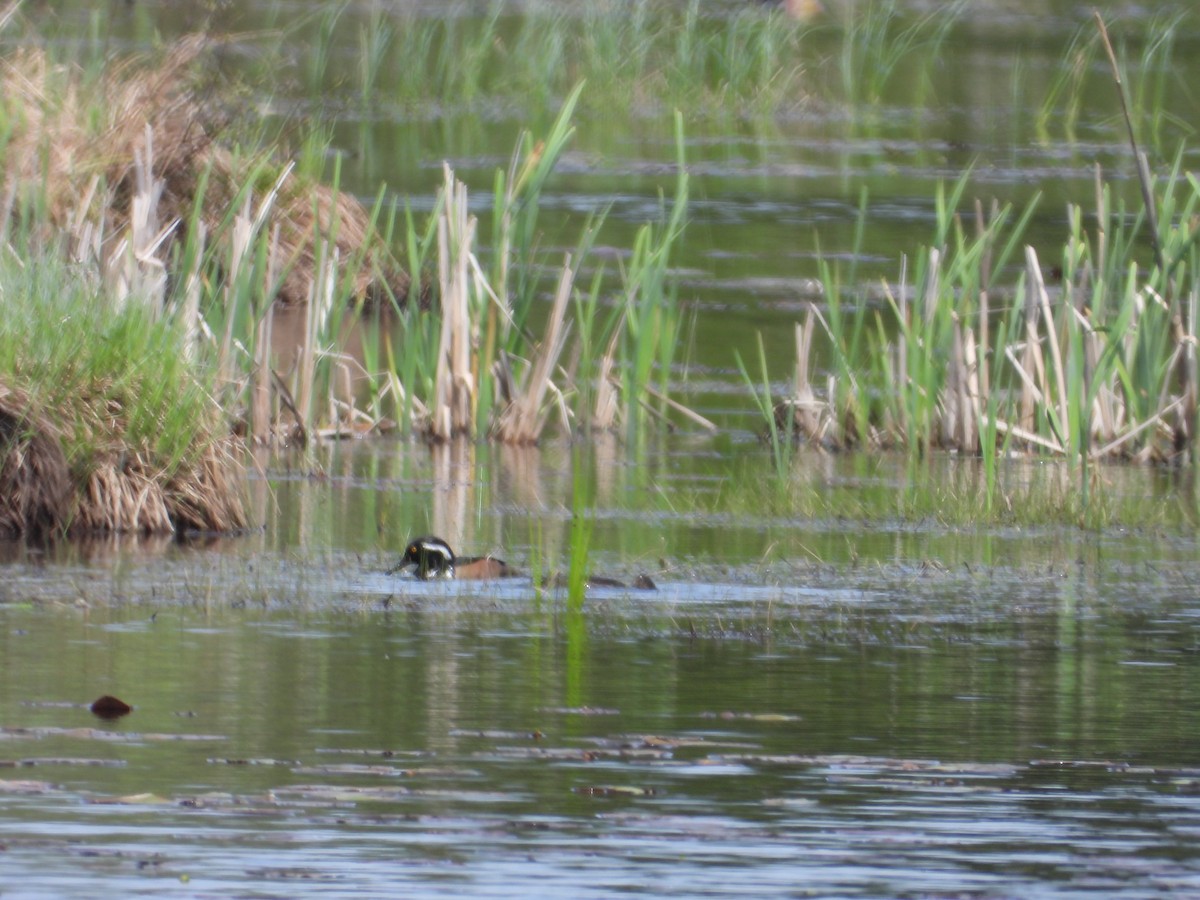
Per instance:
(433,558)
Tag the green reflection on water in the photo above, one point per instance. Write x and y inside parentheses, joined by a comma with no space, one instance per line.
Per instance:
(687,506)
(279,686)
(284,681)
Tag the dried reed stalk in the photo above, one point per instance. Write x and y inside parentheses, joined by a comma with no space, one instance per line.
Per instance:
(607,405)
(207,495)
(522,420)
(1031,368)
(454,384)
(1042,297)
(807,410)
(316,318)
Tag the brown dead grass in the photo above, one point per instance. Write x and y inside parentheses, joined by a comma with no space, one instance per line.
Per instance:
(77,142)
(41,496)
(35,483)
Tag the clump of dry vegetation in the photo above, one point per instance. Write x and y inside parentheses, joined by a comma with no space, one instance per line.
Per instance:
(74,149)
(124,215)
(1102,366)
(35,484)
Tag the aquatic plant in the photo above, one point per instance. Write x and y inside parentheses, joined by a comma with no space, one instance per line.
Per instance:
(878,44)
(486,372)
(177,240)
(636,56)
(582,525)
(1101,367)
(73,148)
(1061,100)
(783,422)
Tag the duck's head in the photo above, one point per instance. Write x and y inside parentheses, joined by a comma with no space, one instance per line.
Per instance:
(431,557)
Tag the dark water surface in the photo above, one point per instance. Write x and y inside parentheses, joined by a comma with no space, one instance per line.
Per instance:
(443,748)
(921,711)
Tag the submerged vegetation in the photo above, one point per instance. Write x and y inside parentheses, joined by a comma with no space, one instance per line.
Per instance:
(180,234)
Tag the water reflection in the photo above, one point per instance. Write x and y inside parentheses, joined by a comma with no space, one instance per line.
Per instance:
(902,711)
(445,749)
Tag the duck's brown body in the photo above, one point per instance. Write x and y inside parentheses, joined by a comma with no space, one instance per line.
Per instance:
(641,583)
(479,568)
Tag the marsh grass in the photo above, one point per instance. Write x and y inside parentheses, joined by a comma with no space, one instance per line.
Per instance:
(1149,64)
(176,250)
(583,498)
(778,435)
(881,43)
(503,340)
(637,57)
(153,190)
(754,65)
(1099,367)
(947,493)
(603,357)
(142,441)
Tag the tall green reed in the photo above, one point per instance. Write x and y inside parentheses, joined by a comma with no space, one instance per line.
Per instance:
(880,41)
(779,437)
(651,315)
(1102,366)
(507,377)
(582,525)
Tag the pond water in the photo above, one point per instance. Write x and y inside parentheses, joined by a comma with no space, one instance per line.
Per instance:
(807,706)
(802,708)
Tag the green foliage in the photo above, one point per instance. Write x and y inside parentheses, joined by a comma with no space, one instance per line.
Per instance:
(779,441)
(651,310)
(881,44)
(1096,369)
(582,525)
(114,379)
(633,55)
(627,347)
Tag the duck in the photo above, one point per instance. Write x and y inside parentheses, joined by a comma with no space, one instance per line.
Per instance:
(433,558)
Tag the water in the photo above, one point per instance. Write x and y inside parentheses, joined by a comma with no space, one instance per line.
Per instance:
(923,711)
(432,752)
